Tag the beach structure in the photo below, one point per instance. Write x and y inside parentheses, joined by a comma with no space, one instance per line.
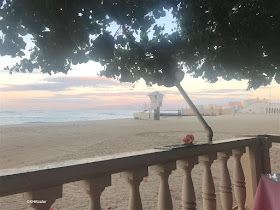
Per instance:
(156,102)
(44,183)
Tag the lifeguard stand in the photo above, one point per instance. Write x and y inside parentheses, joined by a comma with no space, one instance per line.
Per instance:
(156,102)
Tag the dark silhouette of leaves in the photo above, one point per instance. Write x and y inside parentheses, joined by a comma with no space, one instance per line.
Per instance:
(227,39)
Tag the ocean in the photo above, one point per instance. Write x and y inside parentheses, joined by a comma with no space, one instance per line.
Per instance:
(10,117)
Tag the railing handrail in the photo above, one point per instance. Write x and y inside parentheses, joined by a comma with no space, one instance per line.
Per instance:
(17,180)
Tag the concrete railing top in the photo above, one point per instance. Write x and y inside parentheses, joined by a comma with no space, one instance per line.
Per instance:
(29,178)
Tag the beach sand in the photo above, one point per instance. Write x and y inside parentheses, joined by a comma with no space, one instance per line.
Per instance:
(32,144)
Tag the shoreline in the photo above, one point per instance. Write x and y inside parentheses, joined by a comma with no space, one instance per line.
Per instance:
(18,117)
(59,122)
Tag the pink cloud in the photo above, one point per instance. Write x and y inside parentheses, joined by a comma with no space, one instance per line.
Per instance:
(56,84)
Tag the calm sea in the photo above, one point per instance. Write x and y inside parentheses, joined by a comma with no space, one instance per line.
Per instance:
(8,117)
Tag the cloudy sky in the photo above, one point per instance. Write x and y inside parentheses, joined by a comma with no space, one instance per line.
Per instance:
(83,89)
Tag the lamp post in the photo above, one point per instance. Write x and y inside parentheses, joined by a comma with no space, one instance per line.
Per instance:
(196,112)
(175,79)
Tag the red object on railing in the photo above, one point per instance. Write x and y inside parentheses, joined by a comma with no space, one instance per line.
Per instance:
(188,139)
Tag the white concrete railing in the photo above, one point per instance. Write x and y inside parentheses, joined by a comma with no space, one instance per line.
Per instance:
(44,182)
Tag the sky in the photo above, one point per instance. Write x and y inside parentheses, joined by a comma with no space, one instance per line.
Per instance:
(81,88)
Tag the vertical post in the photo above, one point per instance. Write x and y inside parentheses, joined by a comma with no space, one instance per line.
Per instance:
(239,179)
(208,188)
(196,112)
(188,193)
(266,144)
(251,163)
(157,114)
(134,178)
(43,199)
(255,161)
(94,188)
(225,183)
(164,196)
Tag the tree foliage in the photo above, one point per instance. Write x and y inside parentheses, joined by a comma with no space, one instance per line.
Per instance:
(220,38)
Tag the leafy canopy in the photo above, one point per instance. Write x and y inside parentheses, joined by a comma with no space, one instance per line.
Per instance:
(221,38)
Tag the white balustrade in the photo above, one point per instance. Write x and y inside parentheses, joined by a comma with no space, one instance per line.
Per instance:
(164,197)
(225,182)
(256,161)
(239,179)
(188,193)
(94,188)
(208,188)
(134,178)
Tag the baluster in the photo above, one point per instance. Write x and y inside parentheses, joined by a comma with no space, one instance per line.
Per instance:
(94,188)
(164,196)
(208,188)
(134,178)
(188,193)
(43,199)
(225,182)
(239,179)
(266,144)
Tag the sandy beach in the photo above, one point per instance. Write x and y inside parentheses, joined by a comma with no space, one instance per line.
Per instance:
(32,144)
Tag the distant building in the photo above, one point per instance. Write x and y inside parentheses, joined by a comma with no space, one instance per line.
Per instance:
(235,103)
(261,108)
(200,106)
(210,106)
(237,108)
(210,110)
(255,100)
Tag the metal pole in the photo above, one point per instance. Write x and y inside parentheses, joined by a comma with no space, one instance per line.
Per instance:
(194,109)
